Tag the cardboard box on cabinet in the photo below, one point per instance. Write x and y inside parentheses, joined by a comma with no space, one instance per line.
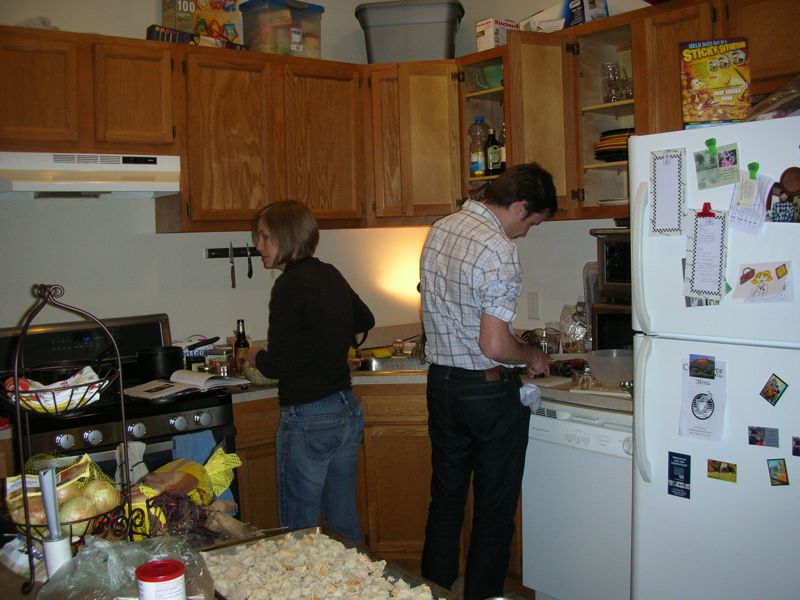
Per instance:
(213,18)
(492,32)
(566,14)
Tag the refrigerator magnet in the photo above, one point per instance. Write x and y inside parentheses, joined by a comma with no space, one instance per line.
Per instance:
(778,475)
(679,475)
(795,446)
(773,389)
(762,436)
(724,471)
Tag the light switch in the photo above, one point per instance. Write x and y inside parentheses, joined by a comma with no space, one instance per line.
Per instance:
(533,305)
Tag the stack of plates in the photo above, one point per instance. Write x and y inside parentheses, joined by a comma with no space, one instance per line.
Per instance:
(613,145)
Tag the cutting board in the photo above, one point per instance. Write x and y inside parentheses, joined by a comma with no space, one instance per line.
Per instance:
(550,381)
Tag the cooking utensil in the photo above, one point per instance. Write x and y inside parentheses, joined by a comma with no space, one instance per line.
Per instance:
(249,261)
(200,344)
(233,267)
(159,362)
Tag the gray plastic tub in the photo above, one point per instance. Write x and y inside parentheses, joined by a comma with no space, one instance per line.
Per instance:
(403,30)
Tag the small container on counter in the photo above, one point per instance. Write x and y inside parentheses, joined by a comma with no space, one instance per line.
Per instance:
(161,580)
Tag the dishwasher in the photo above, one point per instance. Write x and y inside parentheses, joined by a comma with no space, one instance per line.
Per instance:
(576,503)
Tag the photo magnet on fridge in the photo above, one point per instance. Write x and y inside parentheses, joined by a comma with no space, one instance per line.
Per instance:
(718,469)
(795,446)
(778,475)
(762,436)
(679,475)
(773,389)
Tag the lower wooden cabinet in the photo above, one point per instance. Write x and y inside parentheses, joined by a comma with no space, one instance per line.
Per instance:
(256,423)
(394,472)
(7,465)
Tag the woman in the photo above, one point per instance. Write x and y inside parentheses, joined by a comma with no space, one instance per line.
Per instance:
(314,316)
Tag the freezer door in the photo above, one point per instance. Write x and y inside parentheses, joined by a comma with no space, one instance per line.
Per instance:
(659,305)
(714,537)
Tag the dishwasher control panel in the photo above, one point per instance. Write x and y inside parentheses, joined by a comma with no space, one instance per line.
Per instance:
(591,431)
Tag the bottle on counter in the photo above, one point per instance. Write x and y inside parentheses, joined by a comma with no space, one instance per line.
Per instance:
(240,348)
(502,140)
(491,150)
(478,132)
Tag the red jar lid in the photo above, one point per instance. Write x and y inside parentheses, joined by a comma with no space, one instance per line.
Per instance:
(159,570)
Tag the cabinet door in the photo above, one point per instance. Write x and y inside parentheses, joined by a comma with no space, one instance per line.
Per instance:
(39,90)
(664,32)
(770,27)
(541,108)
(429,137)
(132,94)
(322,121)
(384,160)
(232,143)
(256,423)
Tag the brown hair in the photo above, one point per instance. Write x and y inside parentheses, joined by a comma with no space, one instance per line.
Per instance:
(529,182)
(293,228)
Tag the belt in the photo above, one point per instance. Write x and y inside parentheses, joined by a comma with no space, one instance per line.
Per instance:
(497,373)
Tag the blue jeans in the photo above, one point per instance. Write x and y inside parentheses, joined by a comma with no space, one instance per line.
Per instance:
(317,455)
(478,429)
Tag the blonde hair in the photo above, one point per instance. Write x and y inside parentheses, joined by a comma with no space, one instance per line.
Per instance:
(292,226)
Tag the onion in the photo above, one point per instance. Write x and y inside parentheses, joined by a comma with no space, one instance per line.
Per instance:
(79,508)
(35,512)
(103,494)
(66,492)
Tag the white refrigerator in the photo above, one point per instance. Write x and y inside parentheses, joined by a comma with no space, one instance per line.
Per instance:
(716,308)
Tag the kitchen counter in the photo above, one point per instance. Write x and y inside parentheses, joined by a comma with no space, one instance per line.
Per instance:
(559,393)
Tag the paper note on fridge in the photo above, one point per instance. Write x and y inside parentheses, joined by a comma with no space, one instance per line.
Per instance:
(765,282)
(668,184)
(703,404)
(707,250)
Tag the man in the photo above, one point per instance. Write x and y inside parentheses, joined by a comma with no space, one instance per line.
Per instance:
(470,281)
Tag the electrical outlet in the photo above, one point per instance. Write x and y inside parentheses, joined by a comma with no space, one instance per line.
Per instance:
(533,305)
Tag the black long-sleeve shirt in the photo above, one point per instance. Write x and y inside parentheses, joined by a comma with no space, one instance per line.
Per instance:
(313,317)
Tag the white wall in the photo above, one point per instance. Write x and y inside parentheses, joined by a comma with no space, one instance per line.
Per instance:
(107,256)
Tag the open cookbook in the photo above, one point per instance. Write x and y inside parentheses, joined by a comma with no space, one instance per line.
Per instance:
(182,382)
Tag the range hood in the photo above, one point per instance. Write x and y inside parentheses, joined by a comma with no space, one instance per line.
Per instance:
(64,173)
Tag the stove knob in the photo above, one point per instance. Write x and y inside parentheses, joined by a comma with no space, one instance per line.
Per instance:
(203,419)
(65,441)
(93,437)
(178,423)
(137,430)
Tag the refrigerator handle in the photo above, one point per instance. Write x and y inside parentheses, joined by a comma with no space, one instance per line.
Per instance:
(642,351)
(637,259)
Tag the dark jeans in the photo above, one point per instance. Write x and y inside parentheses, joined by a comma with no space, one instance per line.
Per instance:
(477,429)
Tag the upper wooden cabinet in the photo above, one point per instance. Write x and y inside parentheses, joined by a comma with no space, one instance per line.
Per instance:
(39,95)
(133,94)
(232,144)
(322,121)
(413,133)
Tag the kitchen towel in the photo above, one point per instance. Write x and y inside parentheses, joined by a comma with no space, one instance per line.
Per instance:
(138,468)
(530,396)
(197,447)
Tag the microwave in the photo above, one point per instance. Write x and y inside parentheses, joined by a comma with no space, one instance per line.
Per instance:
(611,298)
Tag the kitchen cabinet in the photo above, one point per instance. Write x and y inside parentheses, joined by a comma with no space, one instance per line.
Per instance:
(321,116)
(413,170)
(40,95)
(232,143)
(133,99)
(256,424)
(44,106)
(7,465)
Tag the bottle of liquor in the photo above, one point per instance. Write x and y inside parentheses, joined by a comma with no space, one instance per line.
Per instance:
(477,135)
(240,348)
(491,151)
(502,140)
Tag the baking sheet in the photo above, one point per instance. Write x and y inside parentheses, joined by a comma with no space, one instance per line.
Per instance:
(390,570)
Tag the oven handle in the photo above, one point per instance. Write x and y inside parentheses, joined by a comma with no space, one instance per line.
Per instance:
(109,455)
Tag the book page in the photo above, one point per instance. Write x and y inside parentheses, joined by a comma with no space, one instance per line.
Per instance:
(205,381)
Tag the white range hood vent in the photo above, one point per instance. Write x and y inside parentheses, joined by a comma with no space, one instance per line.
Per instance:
(62,173)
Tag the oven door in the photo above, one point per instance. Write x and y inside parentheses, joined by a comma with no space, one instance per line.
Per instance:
(159,451)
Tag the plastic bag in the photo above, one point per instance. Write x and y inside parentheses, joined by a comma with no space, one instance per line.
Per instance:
(104,570)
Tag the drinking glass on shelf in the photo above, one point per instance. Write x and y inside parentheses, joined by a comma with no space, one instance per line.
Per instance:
(625,85)
(610,75)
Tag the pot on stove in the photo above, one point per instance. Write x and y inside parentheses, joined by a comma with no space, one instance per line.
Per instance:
(159,362)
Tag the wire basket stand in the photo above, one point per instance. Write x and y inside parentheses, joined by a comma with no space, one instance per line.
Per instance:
(76,397)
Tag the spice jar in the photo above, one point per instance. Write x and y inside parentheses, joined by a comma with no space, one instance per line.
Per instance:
(161,580)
